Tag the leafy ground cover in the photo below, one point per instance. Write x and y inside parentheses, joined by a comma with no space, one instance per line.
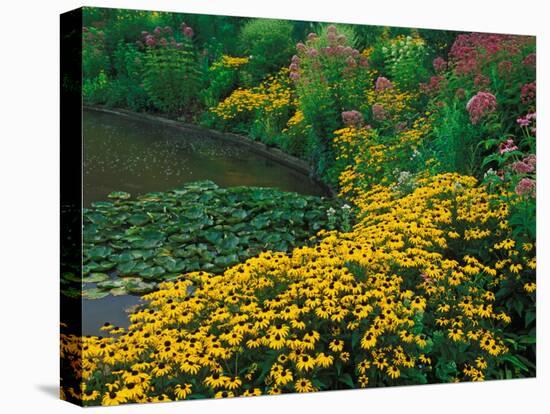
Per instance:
(130,244)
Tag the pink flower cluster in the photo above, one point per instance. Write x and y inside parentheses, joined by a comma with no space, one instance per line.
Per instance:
(352,118)
(526,120)
(294,68)
(379,112)
(439,64)
(186,30)
(481,81)
(336,50)
(526,187)
(505,67)
(507,146)
(163,36)
(470,51)
(525,166)
(433,85)
(481,104)
(529,92)
(530,60)
(382,84)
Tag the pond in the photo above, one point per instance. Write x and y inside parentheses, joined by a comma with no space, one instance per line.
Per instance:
(140,156)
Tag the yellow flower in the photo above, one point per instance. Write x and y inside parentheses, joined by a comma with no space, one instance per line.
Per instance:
(113,398)
(182,391)
(305,362)
(456,334)
(336,345)
(393,372)
(303,385)
(224,394)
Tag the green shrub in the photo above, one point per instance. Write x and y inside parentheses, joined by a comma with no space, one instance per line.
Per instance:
(96,90)
(94,56)
(405,59)
(269,44)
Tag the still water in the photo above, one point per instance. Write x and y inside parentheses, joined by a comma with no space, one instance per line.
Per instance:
(140,156)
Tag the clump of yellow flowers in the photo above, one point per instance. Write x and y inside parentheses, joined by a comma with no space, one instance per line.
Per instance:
(271,96)
(227,61)
(406,297)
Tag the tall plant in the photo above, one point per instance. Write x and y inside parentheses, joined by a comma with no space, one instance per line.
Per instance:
(171,75)
(330,77)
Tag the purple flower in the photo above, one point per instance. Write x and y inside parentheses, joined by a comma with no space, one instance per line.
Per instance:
(188,32)
(480,105)
(526,187)
(530,60)
(531,159)
(523,122)
(352,118)
(439,64)
(521,167)
(378,112)
(311,52)
(507,146)
(150,40)
(312,37)
(529,92)
(382,84)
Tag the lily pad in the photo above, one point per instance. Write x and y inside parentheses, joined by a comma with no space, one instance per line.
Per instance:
(120,195)
(94,293)
(119,291)
(95,278)
(110,284)
(139,287)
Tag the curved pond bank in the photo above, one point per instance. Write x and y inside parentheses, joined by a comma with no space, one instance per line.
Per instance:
(143,153)
(124,151)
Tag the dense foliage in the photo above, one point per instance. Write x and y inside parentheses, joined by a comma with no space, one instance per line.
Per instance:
(430,135)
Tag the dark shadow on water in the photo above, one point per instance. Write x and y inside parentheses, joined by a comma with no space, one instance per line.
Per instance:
(51,390)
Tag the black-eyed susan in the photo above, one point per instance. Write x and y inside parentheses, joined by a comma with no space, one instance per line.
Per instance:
(113,397)
(393,372)
(303,385)
(181,391)
(336,345)
(224,394)
(305,362)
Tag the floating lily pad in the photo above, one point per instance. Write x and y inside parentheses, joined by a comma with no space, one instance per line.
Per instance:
(95,278)
(71,277)
(110,284)
(119,291)
(120,195)
(139,287)
(94,293)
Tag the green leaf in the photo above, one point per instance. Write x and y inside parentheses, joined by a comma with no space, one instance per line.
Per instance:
(119,291)
(346,379)
(110,284)
(138,219)
(94,293)
(99,252)
(95,278)
(119,195)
